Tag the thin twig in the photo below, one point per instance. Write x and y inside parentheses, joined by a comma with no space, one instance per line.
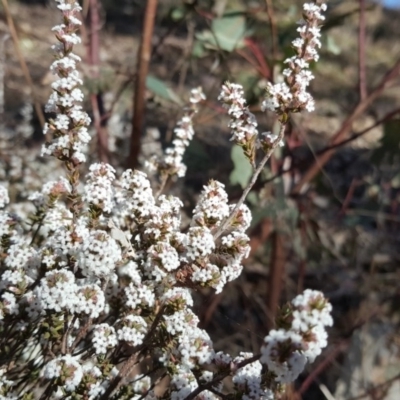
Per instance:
(373,214)
(22,62)
(40,224)
(274,34)
(374,388)
(117,381)
(349,197)
(219,377)
(164,181)
(362,78)
(254,47)
(140,85)
(357,135)
(100,124)
(346,127)
(250,60)
(81,334)
(118,94)
(186,56)
(64,340)
(252,182)
(219,394)
(340,348)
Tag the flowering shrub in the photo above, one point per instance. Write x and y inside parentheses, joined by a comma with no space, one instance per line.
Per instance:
(96,289)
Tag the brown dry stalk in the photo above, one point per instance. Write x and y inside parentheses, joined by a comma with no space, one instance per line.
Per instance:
(24,67)
(144,56)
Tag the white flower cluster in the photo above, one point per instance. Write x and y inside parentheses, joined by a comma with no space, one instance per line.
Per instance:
(4,199)
(67,369)
(248,382)
(104,338)
(99,188)
(243,123)
(74,272)
(291,95)
(287,350)
(68,129)
(132,329)
(288,96)
(99,254)
(212,207)
(125,306)
(214,263)
(172,161)
(142,387)
(98,280)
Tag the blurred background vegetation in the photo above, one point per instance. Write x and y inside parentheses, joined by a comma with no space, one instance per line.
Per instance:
(327,208)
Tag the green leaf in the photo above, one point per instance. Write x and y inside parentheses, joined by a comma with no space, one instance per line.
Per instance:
(252,198)
(227,33)
(332,46)
(389,147)
(242,170)
(178,13)
(198,49)
(159,88)
(298,246)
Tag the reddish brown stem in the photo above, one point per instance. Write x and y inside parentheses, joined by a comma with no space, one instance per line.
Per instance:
(342,346)
(348,198)
(258,54)
(362,77)
(94,37)
(250,61)
(274,33)
(303,264)
(96,98)
(384,119)
(277,268)
(346,127)
(100,125)
(127,366)
(140,84)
